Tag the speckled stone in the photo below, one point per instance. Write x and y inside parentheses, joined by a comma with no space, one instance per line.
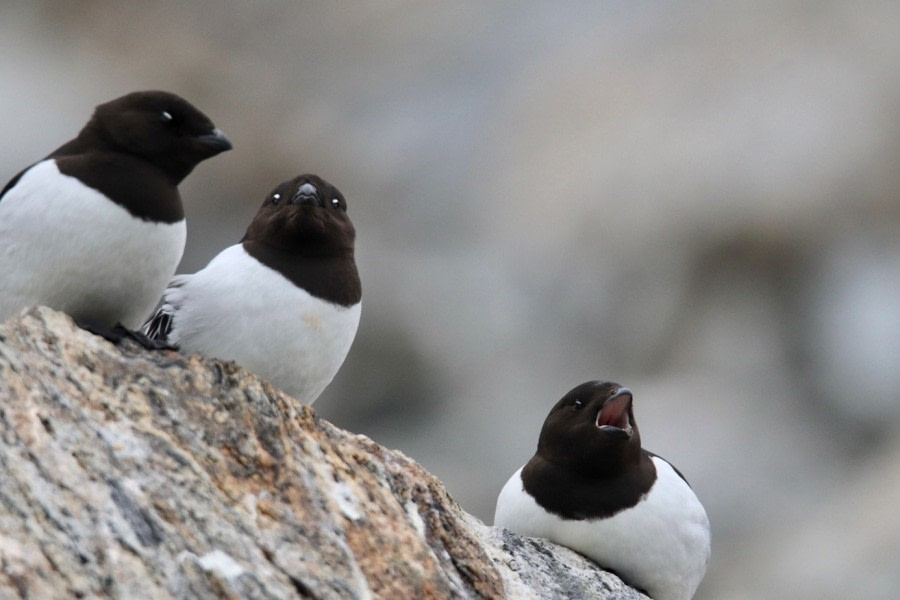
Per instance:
(135,474)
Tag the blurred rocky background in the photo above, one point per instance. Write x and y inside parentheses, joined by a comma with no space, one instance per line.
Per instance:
(698,200)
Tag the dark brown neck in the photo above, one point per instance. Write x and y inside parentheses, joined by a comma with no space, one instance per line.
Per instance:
(331,277)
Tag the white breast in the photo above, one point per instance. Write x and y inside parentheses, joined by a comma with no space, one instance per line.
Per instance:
(661,545)
(238,309)
(67,246)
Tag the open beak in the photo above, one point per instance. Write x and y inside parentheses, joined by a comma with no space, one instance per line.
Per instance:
(614,412)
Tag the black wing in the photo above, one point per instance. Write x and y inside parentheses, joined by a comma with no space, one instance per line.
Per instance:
(159,326)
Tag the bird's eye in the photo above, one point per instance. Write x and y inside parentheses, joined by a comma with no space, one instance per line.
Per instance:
(335,203)
(276,198)
(166,116)
(578,404)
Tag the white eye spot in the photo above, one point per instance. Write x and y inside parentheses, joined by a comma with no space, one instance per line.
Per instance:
(335,202)
(276,198)
(166,116)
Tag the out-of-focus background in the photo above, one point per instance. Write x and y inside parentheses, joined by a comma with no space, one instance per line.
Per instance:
(698,200)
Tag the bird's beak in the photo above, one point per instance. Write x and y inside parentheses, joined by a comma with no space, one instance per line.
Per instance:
(307,194)
(614,412)
(214,141)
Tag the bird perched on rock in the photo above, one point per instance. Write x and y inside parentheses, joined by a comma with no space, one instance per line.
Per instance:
(285,302)
(592,488)
(97,228)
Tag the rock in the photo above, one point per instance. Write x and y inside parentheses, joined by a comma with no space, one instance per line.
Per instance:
(135,474)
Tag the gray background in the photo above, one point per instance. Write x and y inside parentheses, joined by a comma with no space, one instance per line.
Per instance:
(697,200)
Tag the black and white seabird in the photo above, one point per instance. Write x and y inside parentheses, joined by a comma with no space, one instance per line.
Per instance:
(592,488)
(96,229)
(285,302)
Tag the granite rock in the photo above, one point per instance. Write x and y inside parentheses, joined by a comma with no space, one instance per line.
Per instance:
(129,473)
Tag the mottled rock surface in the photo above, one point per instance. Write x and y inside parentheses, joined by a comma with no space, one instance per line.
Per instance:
(132,474)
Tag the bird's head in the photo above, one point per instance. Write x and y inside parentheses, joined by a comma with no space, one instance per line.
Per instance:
(305,214)
(592,429)
(160,127)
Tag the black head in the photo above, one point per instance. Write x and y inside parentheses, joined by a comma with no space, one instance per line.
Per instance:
(160,127)
(592,430)
(302,231)
(589,463)
(305,214)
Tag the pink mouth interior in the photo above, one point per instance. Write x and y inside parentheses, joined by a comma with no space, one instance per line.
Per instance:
(615,413)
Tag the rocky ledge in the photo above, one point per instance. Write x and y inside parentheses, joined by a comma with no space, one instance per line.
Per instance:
(135,474)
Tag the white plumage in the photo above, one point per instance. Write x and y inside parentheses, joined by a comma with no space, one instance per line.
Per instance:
(67,246)
(238,309)
(660,545)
